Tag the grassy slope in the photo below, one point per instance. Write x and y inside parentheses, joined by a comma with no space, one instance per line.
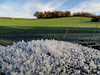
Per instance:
(60,22)
(74,24)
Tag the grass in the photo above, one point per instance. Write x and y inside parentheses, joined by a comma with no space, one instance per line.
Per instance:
(59,25)
(12,29)
(59,22)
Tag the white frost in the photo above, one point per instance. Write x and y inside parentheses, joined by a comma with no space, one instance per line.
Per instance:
(45,57)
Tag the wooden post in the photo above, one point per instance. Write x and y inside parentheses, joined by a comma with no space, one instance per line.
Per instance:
(93,33)
(81,18)
(65,35)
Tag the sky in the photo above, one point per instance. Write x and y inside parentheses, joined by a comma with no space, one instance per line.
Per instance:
(27,8)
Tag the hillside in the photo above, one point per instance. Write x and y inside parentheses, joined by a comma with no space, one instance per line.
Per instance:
(59,22)
(48,28)
(23,26)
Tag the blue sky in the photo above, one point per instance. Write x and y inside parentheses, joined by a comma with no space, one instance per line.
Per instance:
(26,8)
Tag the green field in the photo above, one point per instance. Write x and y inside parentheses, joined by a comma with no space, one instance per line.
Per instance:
(59,22)
(12,26)
(49,27)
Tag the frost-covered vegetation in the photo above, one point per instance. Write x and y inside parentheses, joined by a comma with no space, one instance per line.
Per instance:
(45,57)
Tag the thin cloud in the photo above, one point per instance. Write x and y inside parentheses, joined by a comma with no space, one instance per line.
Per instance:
(28,8)
(50,6)
(4,6)
(92,6)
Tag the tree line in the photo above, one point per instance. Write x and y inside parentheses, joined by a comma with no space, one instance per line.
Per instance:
(59,14)
(55,14)
(84,14)
(96,19)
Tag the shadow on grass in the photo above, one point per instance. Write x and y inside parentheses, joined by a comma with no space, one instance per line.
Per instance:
(90,22)
(21,31)
(8,35)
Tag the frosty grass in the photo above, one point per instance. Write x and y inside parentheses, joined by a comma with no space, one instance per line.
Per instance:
(48,57)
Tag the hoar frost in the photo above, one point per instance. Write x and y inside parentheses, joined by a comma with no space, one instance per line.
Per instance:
(48,57)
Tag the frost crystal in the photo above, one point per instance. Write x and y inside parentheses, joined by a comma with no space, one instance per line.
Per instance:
(45,57)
